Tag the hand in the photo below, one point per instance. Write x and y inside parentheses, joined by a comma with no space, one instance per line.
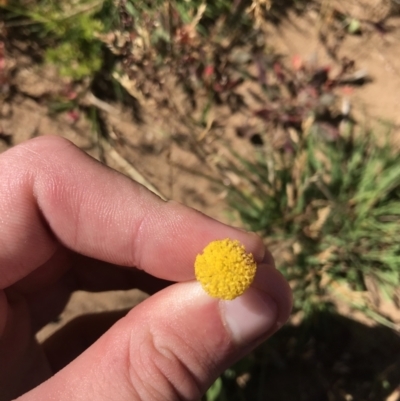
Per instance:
(67,223)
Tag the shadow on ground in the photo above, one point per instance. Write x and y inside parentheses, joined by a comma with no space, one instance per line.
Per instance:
(327,357)
(280,9)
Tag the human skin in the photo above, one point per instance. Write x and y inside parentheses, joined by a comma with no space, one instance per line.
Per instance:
(68,223)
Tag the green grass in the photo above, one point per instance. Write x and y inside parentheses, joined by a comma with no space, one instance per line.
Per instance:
(333,209)
(68,32)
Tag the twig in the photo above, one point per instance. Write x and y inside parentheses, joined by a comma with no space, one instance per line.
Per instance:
(128,168)
(111,152)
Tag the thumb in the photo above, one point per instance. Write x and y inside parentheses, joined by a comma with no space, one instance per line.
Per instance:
(173,345)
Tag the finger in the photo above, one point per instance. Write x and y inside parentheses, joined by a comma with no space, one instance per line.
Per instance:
(77,335)
(172,346)
(52,192)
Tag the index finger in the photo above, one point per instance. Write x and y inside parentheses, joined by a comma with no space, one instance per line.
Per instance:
(51,192)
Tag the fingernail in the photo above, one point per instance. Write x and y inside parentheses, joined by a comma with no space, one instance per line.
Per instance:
(260,251)
(268,259)
(250,316)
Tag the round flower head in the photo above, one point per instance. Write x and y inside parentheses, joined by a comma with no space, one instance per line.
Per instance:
(224,269)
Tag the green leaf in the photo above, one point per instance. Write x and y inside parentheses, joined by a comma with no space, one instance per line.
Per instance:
(215,390)
(354,26)
(131,9)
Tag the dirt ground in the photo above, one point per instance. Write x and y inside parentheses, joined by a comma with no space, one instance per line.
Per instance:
(159,153)
(376,53)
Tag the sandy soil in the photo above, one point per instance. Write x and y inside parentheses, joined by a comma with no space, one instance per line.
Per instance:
(375,53)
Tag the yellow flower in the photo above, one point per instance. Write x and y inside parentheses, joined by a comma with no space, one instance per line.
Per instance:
(224,269)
